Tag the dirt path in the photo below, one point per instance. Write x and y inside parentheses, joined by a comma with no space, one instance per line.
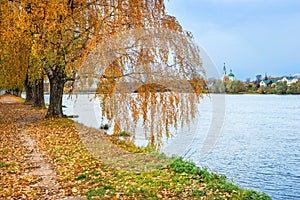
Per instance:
(41,169)
(9,99)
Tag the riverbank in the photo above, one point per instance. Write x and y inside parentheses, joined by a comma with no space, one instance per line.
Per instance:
(57,159)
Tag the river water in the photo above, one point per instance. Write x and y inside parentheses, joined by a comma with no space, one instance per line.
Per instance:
(257,144)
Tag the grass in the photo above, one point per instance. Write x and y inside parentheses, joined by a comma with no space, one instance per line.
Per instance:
(180,179)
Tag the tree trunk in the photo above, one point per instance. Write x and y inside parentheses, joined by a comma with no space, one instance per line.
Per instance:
(17,92)
(35,93)
(38,94)
(56,93)
(28,91)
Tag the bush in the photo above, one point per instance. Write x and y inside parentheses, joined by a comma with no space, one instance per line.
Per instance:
(281,87)
(293,89)
(235,87)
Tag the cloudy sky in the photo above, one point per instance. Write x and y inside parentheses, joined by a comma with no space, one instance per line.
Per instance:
(251,36)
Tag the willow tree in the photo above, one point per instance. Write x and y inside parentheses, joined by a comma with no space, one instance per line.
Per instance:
(151,53)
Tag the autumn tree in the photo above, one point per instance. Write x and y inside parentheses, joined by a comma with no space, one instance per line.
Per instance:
(235,87)
(17,53)
(42,17)
(112,44)
(155,53)
(64,31)
(13,48)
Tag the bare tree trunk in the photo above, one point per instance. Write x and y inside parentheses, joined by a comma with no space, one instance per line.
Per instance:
(28,91)
(56,93)
(17,92)
(35,92)
(38,94)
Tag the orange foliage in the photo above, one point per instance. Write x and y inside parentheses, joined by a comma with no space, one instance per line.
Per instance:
(111,44)
(147,50)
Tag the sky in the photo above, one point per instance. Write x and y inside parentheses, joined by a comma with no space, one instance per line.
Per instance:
(251,36)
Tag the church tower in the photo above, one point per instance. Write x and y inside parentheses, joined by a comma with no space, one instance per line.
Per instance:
(229,77)
(224,71)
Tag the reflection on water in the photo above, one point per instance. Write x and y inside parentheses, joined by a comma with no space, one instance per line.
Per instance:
(258,147)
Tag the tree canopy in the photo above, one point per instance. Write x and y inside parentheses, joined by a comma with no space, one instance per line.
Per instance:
(113,44)
(14,46)
(146,57)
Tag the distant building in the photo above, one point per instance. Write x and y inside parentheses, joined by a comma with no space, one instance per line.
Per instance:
(288,79)
(267,83)
(231,76)
(227,78)
(272,81)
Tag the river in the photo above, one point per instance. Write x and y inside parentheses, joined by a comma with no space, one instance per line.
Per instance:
(257,145)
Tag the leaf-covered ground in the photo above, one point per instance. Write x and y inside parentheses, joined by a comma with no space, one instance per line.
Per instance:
(80,162)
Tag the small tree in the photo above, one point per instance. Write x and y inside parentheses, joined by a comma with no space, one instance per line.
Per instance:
(251,88)
(235,87)
(281,87)
(293,89)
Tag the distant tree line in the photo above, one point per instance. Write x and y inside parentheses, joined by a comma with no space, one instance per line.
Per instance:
(280,88)
(238,87)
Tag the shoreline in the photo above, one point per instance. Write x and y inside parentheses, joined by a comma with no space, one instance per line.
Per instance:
(85,163)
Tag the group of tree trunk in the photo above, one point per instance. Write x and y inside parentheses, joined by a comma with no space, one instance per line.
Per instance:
(35,93)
